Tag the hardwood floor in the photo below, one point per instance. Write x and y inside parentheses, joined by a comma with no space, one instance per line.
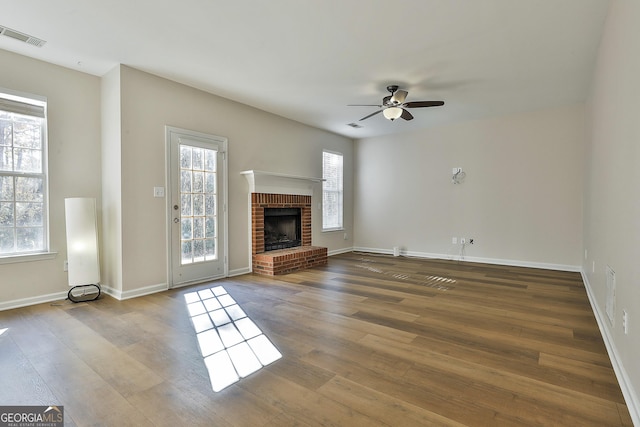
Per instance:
(367,340)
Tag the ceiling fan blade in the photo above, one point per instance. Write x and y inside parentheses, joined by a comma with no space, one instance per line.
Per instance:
(406,115)
(364,105)
(370,115)
(399,96)
(418,104)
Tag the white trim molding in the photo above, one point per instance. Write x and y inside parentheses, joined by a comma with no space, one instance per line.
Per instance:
(340,251)
(239,271)
(629,393)
(279,183)
(138,292)
(24,302)
(496,261)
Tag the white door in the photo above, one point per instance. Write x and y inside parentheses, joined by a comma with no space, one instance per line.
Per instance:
(196,199)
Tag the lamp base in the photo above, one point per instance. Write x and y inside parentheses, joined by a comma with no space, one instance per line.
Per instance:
(84,295)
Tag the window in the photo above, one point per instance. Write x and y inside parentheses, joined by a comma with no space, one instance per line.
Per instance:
(23,179)
(332,191)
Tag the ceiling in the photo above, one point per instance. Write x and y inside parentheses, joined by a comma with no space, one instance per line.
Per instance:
(307,59)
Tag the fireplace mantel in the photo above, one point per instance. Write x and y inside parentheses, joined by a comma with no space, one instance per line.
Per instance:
(279,183)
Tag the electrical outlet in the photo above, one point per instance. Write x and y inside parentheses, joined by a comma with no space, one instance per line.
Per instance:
(586,254)
(65,266)
(346,237)
(625,322)
(463,241)
(454,240)
(593,267)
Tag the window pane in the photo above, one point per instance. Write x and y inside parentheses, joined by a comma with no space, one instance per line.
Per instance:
(29,189)
(187,252)
(211,183)
(6,132)
(6,240)
(210,227)
(29,239)
(332,190)
(210,248)
(187,228)
(26,160)
(23,212)
(198,204)
(28,214)
(198,250)
(210,160)
(6,214)
(198,228)
(6,188)
(198,182)
(6,158)
(198,198)
(197,159)
(26,133)
(185,181)
(185,157)
(210,205)
(185,204)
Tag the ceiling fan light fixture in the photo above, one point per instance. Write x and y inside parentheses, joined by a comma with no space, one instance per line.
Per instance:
(392,113)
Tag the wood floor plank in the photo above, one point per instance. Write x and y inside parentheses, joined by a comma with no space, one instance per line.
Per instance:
(381,406)
(368,339)
(21,383)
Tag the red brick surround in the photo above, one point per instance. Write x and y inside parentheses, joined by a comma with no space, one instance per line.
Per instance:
(284,260)
(288,260)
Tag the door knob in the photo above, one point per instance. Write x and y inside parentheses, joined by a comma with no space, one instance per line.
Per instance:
(176,220)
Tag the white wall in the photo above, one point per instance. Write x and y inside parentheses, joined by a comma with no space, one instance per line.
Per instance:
(111,252)
(521,199)
(257,140)
(107,135)
(74,165)
(612,203)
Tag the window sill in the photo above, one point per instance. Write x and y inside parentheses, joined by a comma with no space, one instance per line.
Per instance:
(10,259)
(328,230)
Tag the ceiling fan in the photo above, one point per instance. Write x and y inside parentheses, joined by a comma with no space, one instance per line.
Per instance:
(393,106)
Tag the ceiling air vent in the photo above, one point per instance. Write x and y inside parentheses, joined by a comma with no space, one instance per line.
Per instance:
(354,125)
(17,35)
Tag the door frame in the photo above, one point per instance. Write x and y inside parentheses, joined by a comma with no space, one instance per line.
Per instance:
(223,142)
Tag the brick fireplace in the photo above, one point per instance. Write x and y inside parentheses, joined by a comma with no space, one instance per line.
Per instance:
(283,261)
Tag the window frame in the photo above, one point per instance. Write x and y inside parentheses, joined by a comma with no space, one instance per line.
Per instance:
(340,227)
(32,104)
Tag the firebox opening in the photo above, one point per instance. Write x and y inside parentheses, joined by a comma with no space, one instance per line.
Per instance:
(282,228)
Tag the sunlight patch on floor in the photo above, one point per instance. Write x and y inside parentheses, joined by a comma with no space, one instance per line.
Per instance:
(437,282)
(232,345)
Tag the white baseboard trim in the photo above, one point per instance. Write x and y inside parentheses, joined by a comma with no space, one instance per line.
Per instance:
(339,251)
(239,271)
(23,302)
(496,261)
(629,393)
(138,292)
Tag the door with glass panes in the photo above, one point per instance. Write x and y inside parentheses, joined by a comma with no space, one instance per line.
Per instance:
(197,206)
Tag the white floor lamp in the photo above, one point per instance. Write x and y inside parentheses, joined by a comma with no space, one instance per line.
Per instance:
(82,248)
